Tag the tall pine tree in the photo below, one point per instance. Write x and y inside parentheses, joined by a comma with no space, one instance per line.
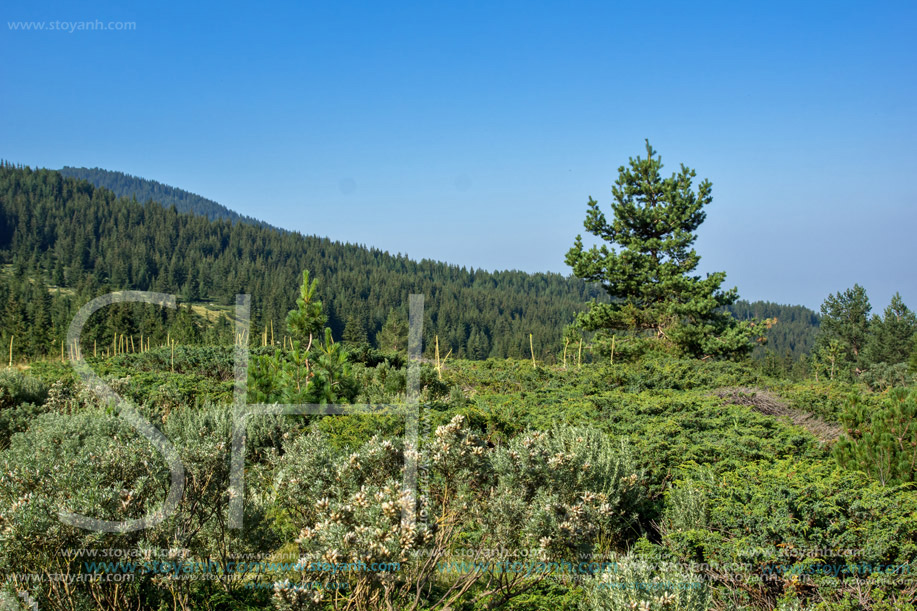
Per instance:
(648,260)
(891,337)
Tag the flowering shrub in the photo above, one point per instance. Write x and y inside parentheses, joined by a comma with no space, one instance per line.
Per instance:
(563,490)
(640,585)
(558,491)
(91,464)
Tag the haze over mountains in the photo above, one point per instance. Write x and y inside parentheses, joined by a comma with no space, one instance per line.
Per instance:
(95,237)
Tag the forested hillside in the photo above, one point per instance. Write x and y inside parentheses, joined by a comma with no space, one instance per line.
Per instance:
(143,190)
(197,253)
(794,334)
(61,232)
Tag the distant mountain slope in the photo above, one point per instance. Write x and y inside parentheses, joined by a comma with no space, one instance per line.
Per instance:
(125,185)
(68,233)
(794,333)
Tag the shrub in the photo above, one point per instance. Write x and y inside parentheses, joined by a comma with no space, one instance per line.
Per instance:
(784,520)
(17,387)
(636,583)
(882,376)
(559,492)
(882,442)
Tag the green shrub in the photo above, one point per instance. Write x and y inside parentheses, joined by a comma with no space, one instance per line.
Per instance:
(784,520)
(636,583)
(882,442)
(17,387)
(882,376)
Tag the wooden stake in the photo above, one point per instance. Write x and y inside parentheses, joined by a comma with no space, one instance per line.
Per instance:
(11,349)
(272,331)
(93,347)
(532,348)
(62,350)
(173,357)
(612,349)
(132,343)
(579,357)
(439,369)
(566,341)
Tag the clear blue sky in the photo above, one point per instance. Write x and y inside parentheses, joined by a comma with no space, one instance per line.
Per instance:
(474,132)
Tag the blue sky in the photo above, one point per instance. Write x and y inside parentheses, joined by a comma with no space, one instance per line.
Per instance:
(475,132)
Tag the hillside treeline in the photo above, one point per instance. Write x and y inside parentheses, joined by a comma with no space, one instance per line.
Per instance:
(81,241)
(143,190)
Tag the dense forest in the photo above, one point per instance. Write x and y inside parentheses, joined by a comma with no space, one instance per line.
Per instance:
(194,248)
(84,241)
(788,341)
(143,190)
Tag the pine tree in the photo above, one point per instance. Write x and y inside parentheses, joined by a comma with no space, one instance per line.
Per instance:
(314,369)
(891,337)
(913,362)
(185,328)
(845,319)
(649,275)
(394,334)
(882,442)
(355,333)
(307,319)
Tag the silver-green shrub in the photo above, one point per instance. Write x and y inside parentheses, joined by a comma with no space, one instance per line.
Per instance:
(636,584)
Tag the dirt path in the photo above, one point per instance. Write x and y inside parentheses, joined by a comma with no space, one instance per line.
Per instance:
(768,403)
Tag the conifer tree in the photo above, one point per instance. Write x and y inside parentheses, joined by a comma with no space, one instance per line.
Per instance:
(845,320)
(394,333)
(913,361)
(891,337)
(648,260)
(355,330)
(307,319)
(883,442)
(314,369)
